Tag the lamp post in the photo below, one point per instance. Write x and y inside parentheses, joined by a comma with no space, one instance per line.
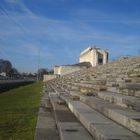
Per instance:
(38,74)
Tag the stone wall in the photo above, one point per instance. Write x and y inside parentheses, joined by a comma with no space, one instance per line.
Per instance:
(56,70)
(48,77)
(63,70)
(88,56)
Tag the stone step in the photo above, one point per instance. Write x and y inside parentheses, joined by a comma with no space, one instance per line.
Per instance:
(131,117)
(94,82)
(68,126)
(121,100)
(73,131)
(134,86)
(136,79)
(85,91)
(75,95)
(46,126)
(90,88)
(113,89)
(131,89)
(126,117)
(97,124)
(111,84)
(73,87)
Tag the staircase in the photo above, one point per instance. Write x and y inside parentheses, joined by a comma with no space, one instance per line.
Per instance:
(99,103)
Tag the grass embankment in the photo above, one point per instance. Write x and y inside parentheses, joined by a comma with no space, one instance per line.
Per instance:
(18,112)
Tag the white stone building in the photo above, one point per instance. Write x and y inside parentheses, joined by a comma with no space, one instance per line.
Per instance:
(90,57)
(95,56)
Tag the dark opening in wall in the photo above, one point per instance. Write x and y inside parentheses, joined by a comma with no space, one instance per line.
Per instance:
(100,59)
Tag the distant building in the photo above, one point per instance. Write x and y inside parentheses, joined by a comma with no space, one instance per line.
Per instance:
(95,56)
(90,57)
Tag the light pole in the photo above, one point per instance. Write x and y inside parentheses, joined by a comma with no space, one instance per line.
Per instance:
(38,74)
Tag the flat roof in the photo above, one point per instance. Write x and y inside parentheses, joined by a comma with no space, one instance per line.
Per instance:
(89,49)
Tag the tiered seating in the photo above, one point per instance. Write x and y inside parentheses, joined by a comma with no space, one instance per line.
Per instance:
(105,99)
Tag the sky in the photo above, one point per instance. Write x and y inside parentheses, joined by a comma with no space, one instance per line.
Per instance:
(45,33)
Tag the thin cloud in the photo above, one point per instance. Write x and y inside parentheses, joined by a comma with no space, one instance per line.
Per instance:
(25,34)
(20,4)
(98,16)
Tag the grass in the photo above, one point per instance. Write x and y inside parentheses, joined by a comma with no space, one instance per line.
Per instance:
(18,112)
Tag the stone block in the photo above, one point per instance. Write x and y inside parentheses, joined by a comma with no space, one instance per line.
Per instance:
(73,131)
(87,91)
(98,125)
(126,117)
(46,127)
(113,89)
(121,100)
(61,102)
(68,125)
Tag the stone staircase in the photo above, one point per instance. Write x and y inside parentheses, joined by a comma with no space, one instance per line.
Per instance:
(99,103)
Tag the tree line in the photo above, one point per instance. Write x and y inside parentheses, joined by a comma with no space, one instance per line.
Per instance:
(7,67)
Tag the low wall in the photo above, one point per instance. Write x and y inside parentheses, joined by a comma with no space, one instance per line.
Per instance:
(68,69)
(9,84)
(49,77)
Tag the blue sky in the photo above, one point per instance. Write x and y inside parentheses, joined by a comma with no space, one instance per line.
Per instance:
(59,30)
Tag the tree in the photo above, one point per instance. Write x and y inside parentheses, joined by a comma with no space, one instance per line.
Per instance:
(5,66)
(41,72)
(51,71)
(14,72)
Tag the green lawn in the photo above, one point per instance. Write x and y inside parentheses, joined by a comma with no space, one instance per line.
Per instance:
(18,112)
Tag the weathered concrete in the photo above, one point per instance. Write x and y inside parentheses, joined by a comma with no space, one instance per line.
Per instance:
(66,69)
(121,100)
(73,131)
(126,117)
(69,127)
(91,86)
(48,77)
(131,89)
(46,127)
(98,125)
(113,89)
(88,89)
(108,115)
(94,81)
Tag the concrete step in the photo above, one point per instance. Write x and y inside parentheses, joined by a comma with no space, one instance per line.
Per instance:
(85,91)
(46,126)
(113,89)
(134,86)
(74,97)
(73,87)
(90,88)
(111,84)
(131,89)
(97,124)
(68,126)
(126,117)
(121,100)
(94,81)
